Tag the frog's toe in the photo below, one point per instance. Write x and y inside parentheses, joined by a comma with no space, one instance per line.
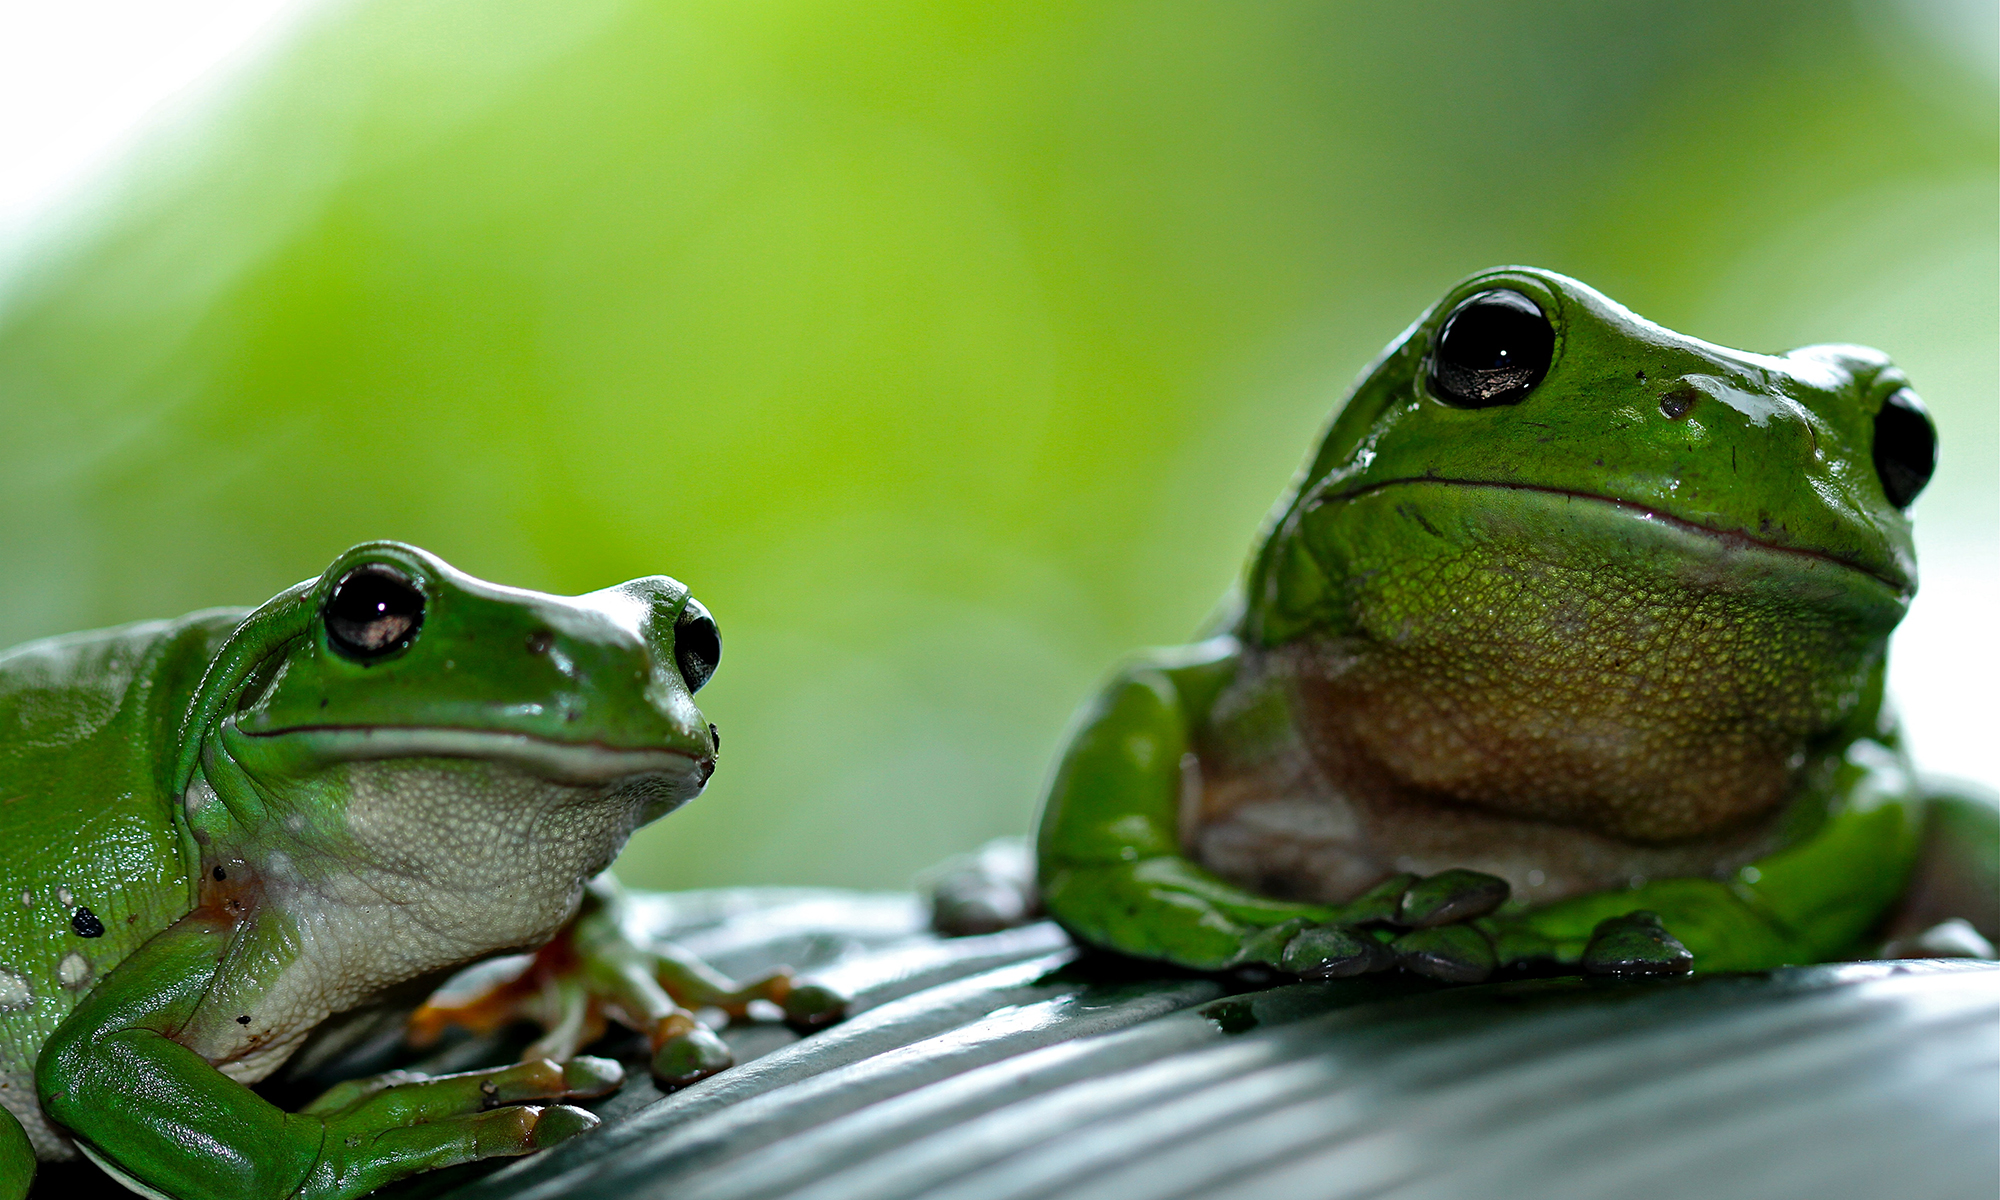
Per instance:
(686,1051)
(1448,896)
(1448,953)
(1635,944)
(811,1006)
(588,1075)
(560,1123)
(1334,952)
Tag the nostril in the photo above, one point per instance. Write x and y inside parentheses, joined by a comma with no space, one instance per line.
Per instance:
(541,641)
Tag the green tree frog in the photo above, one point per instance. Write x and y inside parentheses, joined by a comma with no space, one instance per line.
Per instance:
(223,829)
(1565,651)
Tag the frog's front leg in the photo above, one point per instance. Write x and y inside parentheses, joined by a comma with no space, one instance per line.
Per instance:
(143,1104)
(1113,872)
(595,970)
(1108,855)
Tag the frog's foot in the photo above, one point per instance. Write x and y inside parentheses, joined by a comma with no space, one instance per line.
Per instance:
(990,889)
(382,1128)
(592,974)
(1635,944)
(1441,943)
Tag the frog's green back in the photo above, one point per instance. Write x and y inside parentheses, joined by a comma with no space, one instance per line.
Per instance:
(91,859)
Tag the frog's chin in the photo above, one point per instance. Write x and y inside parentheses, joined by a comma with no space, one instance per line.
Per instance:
(575,763)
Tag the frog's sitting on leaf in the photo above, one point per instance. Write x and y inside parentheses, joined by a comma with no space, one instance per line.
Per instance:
(1565,652)
(222,829)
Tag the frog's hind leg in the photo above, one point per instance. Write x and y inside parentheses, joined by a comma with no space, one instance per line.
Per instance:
(17,1158)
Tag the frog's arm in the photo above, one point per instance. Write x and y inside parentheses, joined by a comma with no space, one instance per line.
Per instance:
(156,1113)
(1108,851)
(1816,901)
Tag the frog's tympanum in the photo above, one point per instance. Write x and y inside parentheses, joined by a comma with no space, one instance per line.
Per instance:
(223,829)
(1565,652)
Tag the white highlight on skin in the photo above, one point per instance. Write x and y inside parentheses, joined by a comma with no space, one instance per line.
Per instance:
(64,897)
(15,993)
(73,970)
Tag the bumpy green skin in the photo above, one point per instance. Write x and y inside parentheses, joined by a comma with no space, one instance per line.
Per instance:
(219,831)
(1637,618)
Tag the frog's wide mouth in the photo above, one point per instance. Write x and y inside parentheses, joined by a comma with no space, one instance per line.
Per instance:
(1644,511)
(561,762)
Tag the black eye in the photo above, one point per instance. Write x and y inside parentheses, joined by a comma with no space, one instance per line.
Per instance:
(1494,348)
(1905,447)
(697,644)
(373,611)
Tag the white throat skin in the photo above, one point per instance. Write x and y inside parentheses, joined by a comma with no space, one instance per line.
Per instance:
(443,861)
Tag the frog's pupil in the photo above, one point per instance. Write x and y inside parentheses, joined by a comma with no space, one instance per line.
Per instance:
(1905,447)
(373,611)
(697,645)
(1494,348)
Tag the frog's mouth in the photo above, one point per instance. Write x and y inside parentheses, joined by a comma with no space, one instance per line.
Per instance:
(1643,511)
(580,763)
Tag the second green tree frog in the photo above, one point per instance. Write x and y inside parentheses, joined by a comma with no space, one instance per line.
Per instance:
(1565,651)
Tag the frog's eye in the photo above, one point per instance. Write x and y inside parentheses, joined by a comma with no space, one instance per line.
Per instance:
(1905,447)
(1494,348)
(697,644)
(373,611)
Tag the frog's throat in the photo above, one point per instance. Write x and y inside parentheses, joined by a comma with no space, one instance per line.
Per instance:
(559,762)
(1641,510)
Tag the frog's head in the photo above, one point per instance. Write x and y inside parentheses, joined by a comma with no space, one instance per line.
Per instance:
(1583,536)
(398,713)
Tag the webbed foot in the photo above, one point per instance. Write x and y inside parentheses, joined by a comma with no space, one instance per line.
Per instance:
(593,973)
(1437,910)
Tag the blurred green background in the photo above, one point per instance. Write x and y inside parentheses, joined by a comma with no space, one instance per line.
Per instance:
(948,351)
